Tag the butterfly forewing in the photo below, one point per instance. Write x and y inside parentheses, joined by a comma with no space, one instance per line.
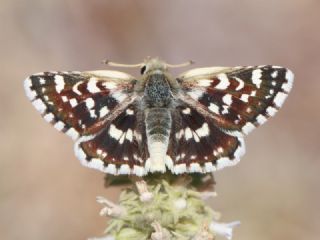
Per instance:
(77,102)
(240,98)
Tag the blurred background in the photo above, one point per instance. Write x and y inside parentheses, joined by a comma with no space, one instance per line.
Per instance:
(44,191)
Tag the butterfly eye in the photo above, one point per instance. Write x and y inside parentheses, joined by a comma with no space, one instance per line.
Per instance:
(143,69)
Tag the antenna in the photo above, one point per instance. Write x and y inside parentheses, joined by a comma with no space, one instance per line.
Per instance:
(180,65)
(114,64)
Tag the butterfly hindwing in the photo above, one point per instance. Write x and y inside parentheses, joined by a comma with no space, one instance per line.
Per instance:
(197,145)
(240,98)
(119,148)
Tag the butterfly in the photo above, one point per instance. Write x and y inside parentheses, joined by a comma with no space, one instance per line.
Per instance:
(191,123)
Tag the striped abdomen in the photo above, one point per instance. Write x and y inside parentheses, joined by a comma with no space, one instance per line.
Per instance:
(158,126)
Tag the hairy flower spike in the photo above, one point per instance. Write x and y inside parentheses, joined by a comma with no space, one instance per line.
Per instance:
(167,208)
(180,203)
(145,195)
(160,233)
(111,209)
(204,233)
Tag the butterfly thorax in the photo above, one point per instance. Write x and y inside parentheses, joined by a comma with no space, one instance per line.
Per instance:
(157,91)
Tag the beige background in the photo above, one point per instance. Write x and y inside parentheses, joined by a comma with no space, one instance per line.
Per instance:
(44,191)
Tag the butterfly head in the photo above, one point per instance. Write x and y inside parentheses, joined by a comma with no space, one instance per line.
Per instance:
(153,64)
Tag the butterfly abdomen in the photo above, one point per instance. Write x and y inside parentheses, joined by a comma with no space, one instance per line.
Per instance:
(158,125)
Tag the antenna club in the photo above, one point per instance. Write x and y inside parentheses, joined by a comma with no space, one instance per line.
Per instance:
(105,61)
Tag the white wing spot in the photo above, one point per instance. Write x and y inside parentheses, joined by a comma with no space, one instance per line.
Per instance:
(72,133)
(59,125)
(241,83)
(195,167)
(27,87)
(49,117)
(244,97)
(96,163)
(92,114)
(119,96)
(104,111)
(274,74)
(138,170)
(180,168)
(42,81)
(99,151)
(89,103)
(279,99)
(59,81)
(188,133)
(129,135)
(288,85)
(256,77)
(248,127)
(253,93)
(124,169)
(75,88)
(73,102)
(203,131)
(261,119)
(92,85)
(111,168)
(64,98)
(227,99)
(271,111)
(214,108)
(39,105)
(225,109)
(129,112)
(224,81)
(248,110)
(115,132)
(209,167)
(196,94)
